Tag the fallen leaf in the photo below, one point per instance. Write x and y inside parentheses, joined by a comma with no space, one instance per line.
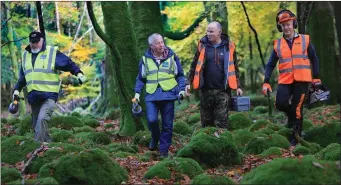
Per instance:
(231,173)
(17,142)
(29,155)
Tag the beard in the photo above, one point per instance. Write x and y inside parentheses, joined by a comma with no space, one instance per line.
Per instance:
(35,50)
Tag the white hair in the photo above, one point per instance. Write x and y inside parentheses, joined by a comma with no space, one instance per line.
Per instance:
(217,24)
(152,38)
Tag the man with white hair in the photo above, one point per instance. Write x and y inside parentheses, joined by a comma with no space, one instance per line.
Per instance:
(214,71)
(39,73)
(160,70)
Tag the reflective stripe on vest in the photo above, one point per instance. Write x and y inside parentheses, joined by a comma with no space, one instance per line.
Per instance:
(229,68)
(43,76)
(294,64)
(162,75)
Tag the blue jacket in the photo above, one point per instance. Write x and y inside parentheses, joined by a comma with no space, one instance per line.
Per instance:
(272,62)
(159,94)
(63,63)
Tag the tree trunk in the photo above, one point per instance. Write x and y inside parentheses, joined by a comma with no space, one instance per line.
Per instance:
(303,13)
(146,18)
(337,6)
(57,17)
(321,30)
(22,106)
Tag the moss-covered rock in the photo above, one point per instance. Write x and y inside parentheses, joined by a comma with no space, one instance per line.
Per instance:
(183,128)
(100,138)
(239,121)
(112,114)
(194,118)
(61,135)
(196,126)
(123,147)
(276,127)
(91,123)
(211,179)
(91,139)
(92,166)
(55,151)
(83,129)
(9,174)
(294,171)
(324,135)
(307,124)
(286,132)
(301,150)
(313,147)
(212,147)
(260,110)
(178,165)
(47,181)
(241,137)
(142,138)
(65,122)
(272,151)
(76,114)
(25,125)
(258,101)
(121,154)
(15,148)
(264,131)
(331,152)
(262,123)
(259,144)
(3,121)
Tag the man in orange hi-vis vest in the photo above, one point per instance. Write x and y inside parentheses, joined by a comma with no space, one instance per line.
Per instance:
(214,71)
(297,62)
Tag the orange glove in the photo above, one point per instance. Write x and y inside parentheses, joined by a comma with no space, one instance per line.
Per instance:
(316,80)
(266,86)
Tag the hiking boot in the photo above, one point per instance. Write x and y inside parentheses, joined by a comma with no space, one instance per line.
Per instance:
(163,155)
(152,145)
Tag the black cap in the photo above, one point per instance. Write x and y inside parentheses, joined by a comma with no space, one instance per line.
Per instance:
(35,36)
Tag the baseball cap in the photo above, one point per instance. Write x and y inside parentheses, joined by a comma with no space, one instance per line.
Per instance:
(35,36)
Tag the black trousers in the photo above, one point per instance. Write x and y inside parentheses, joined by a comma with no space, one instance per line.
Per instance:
(290,99)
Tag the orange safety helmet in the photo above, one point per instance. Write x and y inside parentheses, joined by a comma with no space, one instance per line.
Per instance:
(285,15)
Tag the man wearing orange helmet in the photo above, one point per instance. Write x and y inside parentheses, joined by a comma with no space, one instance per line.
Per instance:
(297,62)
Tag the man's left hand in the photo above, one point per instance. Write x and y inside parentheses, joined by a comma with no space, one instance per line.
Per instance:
(239,92)
(182,93)
(81,78)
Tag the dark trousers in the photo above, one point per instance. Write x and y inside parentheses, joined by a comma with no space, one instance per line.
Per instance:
(290,99)
(166,108)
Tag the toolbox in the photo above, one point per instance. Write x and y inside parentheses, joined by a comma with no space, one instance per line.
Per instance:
(240,103)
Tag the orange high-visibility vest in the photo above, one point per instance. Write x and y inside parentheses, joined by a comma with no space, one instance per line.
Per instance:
(293,64)
(229,68)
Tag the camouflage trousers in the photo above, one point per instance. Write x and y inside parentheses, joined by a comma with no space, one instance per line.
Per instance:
(214,107)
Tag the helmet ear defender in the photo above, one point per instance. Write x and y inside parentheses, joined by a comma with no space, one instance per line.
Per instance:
(292,15)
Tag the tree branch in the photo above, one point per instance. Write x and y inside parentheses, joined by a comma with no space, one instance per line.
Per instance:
(96,26)
(256,35)
(13,41)
(188,31)
(40,18)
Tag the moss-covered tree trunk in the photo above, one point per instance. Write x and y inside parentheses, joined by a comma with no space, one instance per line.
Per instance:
(337,8)
(118,26)
(218,13)
(321,29)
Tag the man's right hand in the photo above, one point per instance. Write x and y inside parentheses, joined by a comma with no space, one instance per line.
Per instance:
(187,88)
(265,88)
(15,95)
(136,98)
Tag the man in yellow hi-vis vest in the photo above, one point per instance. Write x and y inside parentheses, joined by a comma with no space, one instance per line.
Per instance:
(39,73)
(160,70)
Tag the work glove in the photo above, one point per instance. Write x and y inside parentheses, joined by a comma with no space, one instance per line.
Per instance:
(182,94)
(316,82)
(15,95)
(187,88)
(81,78)
(136,98)
(266,86)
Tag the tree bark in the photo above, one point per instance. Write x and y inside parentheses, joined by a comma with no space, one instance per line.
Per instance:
(218,12)
(57,17)
(321,30)
(303,13)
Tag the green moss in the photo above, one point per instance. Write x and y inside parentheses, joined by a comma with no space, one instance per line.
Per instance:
(286,132)
(241,137)
(122,154)
(91,122)
(196,126)
(260,110)
(178,165)
(331,152)
(194,118)
(65,122)
(307,124)
(299,149)
(83,129)
(275,127)
(76,114)
(106,126)
(293,171)
(112,114)
(55,152)
(3,121)
(262,123)
(61,135)
(9,174)
(123,147)
(258,144)
(142,138)
(211,179)
(101,138)
(271,151)
(239,121)
(25,125)
(92,166)
(183,128)
(313,147)
(13,121)
(324,135)
(264,131)
(47,181)
(183,106)
(212,147)
(259,100)
(15,148)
